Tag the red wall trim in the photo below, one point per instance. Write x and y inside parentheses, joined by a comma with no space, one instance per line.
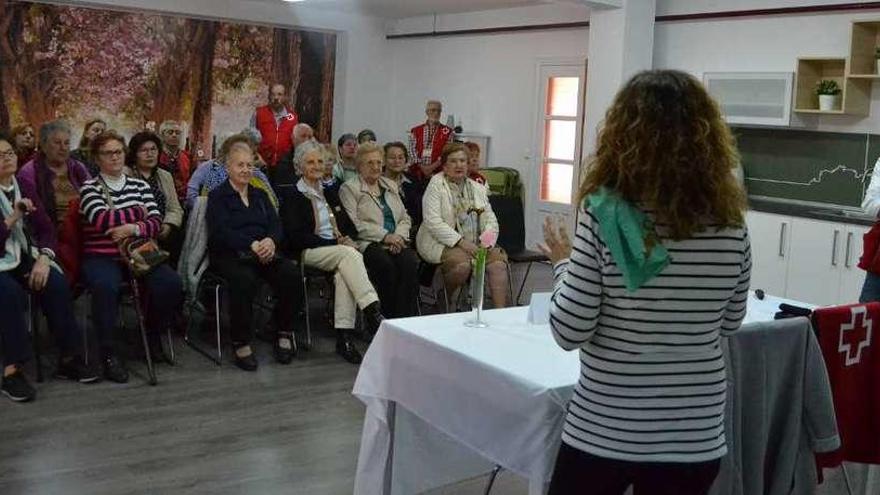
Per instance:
(729,14)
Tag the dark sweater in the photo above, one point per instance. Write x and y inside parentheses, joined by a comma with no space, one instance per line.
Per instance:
(298,219)
(232,226)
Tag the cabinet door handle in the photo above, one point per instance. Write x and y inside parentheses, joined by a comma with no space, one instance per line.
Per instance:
(782,228)
(834,247)
(849,236)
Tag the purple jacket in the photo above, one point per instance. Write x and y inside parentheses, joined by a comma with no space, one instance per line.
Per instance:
(42,230)
(35,179)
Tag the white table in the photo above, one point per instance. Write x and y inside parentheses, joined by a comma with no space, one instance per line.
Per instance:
(462,399)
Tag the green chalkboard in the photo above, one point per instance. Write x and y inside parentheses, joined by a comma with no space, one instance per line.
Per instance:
(823,167)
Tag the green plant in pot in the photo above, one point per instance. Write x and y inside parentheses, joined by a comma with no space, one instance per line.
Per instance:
(829,95)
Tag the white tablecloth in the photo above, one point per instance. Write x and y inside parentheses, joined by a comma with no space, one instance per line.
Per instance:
(498,393)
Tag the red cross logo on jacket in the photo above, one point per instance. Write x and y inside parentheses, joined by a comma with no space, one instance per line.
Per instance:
(855,335)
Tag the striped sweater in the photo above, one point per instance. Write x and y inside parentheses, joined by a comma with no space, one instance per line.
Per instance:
(652,385)
(132,203)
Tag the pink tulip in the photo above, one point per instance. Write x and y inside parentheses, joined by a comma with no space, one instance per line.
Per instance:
(488,238)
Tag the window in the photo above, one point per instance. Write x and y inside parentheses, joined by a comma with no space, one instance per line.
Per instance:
(561,116)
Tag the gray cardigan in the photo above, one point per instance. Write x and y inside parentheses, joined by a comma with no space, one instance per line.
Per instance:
(779,413)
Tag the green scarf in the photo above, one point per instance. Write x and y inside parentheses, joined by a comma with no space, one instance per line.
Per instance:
(625,230)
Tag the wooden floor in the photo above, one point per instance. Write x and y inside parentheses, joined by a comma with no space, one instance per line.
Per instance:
(205,429)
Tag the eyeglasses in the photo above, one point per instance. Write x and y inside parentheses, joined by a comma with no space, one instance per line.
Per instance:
(172,131)
(8,154)
(109,153)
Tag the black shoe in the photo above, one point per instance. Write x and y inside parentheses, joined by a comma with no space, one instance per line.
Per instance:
(247,363)
(113,369)
(372,319)
(157,351)
(76,369)
(345,348)
(17,388)
(284,355)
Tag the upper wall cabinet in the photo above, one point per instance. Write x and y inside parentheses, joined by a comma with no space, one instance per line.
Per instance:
(758,98)
(855,94)
(864,43)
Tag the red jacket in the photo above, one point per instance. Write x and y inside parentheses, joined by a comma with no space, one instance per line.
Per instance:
(180,169)
(851,349)
(441,137)
(277,139)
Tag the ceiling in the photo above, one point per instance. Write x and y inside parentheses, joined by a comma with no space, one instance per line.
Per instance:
(396,9)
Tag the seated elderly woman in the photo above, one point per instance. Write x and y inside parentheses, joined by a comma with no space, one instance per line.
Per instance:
(24,142)
(318,231)
(243,234)
(213,173)
(376,209)
(456,212)
(53,178)
(143,161)
(114,208)
(27,266)
(411,190)
(92,129)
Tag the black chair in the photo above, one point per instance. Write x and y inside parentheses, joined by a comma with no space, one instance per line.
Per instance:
(213,285)
(512,237)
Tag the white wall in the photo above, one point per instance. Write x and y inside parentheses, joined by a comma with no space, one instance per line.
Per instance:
(764,44)
(362,69)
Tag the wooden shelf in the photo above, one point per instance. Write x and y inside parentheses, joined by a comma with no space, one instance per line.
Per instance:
(863,76)
(820,112)
(855,92)
(864,39)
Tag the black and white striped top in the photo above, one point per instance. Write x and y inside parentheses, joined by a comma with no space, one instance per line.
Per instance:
(652,384)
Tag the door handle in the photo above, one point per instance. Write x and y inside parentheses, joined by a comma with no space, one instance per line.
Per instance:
(834,247)
(849,236)
(782,229)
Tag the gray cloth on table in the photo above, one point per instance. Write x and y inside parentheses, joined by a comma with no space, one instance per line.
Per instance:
(779,412)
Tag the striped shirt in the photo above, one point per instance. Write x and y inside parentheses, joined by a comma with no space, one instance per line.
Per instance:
(652,385)
(132,203)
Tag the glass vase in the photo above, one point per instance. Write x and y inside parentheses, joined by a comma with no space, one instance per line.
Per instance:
(478,286)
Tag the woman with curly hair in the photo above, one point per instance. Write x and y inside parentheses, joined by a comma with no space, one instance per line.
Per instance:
(658,273)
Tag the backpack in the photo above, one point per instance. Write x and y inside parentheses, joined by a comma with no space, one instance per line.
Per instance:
(503,181)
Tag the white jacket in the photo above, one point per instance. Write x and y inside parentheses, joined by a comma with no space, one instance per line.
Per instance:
(438,225)
(871,201)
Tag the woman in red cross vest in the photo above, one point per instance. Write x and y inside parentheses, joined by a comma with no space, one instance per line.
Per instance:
(426,142)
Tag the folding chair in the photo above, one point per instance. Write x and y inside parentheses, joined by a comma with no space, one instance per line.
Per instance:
(512,237)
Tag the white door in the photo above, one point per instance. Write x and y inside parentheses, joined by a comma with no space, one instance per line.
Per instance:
(769,236)
(852,277)
(816,260)
(559,128)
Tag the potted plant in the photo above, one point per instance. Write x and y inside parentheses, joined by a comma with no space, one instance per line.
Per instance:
(829,95)
(877,59)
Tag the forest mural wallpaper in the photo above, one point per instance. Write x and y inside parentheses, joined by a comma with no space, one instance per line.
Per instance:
(135,70)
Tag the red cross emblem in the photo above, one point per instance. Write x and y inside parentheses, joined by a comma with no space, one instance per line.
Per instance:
(855,335)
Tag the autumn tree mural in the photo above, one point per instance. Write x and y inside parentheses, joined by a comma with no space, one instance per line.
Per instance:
(132,69)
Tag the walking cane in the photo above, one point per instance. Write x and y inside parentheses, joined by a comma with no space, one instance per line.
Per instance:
(136,294)
(32,306)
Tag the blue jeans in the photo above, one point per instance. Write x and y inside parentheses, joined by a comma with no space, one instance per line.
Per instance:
(55,301)
(104,276)
(871,288)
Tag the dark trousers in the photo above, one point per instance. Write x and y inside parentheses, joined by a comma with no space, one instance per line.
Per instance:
(577,473)
(162,292)
(244,279)
(395,277)
(55,301)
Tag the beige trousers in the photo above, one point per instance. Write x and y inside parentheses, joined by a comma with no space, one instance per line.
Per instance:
(353,287)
